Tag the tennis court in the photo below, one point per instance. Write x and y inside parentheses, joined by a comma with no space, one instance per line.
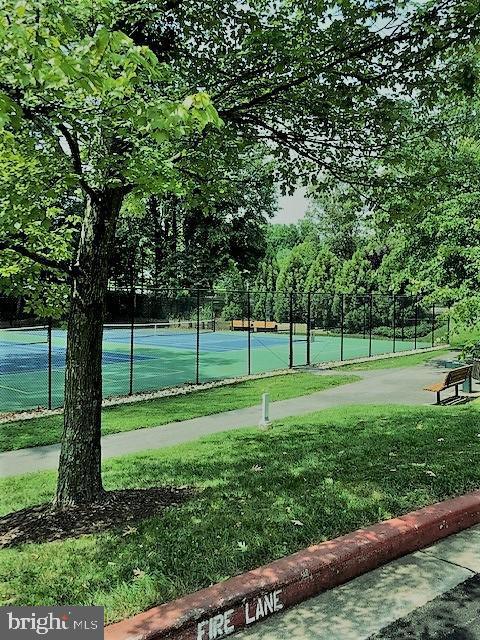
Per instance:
(163,356)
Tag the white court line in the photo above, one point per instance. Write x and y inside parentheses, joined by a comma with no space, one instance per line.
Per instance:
(27,393)
(161,373)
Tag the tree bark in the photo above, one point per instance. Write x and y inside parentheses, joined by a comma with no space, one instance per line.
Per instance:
(79,472)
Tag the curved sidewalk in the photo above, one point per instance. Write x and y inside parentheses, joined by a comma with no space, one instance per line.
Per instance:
(382,386)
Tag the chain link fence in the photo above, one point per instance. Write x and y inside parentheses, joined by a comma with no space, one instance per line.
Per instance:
(154,339)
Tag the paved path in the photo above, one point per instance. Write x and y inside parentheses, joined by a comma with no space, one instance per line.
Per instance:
(430,594)
(383,386)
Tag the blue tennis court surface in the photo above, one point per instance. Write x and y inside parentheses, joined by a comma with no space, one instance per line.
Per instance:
(164,359)
(37,359)
(214,342)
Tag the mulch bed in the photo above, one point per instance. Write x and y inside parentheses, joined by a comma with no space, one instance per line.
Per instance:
(42,523)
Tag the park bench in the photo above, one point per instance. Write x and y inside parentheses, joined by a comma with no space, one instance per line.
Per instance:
(240,325)
(454,378)
(263,325)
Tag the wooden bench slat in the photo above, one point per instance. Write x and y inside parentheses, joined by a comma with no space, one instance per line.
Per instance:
(457,375)
(440,386)
(454,378)
(240,324)
(266,325)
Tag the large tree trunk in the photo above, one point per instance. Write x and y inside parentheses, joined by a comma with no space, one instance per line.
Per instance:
(79,473)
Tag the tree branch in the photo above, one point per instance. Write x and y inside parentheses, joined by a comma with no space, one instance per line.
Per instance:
(45,261)
(399,36)
(72,143)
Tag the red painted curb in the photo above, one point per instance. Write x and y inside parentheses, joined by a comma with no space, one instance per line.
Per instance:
(223,608)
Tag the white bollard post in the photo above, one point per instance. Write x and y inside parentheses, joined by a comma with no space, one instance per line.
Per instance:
(265,420)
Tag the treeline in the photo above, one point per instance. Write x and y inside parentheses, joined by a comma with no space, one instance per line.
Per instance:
(333,250)
(333,255)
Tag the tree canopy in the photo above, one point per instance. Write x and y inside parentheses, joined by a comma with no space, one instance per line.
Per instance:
(111,108)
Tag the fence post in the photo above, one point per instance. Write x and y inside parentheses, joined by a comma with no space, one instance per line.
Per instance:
(309,323)
(433,325)
(342,322)
(370,318)
(448,323)
(394,321)
(403,319)
(249,329)
(290,319)
(142,273)
(197,347)
(364,317)
(49,331)
(416,321)
(213,312)
(132,337)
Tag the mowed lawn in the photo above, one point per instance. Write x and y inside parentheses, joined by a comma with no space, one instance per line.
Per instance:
(261,495)
(396,362)
(153,413)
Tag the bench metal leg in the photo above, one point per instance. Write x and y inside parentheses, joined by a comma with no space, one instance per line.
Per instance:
(456,390)
(438,397)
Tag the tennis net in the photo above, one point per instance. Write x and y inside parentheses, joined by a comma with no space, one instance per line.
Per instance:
(156,329)
(24,335)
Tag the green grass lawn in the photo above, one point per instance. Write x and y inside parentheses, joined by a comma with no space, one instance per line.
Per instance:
(395,362)
(262,495)
(152,413)
(462,337)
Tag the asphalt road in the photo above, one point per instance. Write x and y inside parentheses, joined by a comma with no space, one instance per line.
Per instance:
(455,615)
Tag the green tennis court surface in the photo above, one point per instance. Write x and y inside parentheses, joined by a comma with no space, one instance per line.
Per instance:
(162,358)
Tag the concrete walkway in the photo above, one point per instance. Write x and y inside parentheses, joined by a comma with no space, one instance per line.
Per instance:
(392,601)
(383,386)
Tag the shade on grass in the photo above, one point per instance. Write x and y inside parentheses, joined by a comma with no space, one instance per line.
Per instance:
(262,495)
(153,413)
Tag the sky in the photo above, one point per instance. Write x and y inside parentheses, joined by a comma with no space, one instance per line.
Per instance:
(291,208)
